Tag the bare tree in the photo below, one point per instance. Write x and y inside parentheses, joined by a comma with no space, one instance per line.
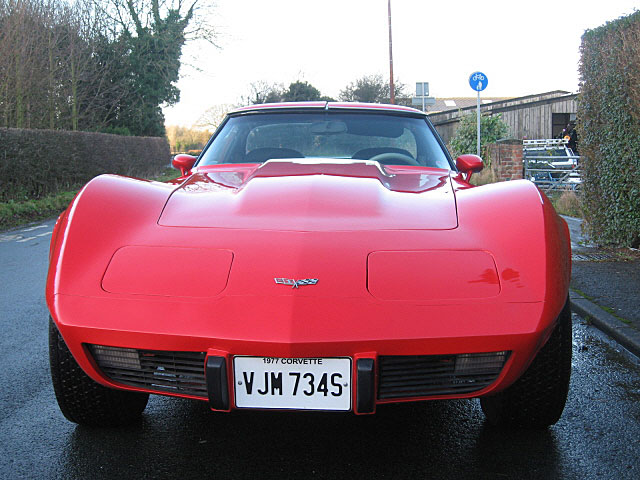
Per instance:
(263,92)
(134,16)
(94,64)
(213,116)
(48,68)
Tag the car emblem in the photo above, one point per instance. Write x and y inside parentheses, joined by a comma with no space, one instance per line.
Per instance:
(296,283)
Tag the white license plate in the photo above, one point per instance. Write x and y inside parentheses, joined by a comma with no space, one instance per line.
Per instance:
(292,383)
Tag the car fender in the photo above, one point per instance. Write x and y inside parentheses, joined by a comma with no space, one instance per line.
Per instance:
(529,240)
(107,211)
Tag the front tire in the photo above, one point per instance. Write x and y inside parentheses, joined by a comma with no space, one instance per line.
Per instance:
(537,399)
(84,401)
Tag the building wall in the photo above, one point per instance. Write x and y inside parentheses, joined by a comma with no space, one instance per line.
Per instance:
(527,117)
(536,121)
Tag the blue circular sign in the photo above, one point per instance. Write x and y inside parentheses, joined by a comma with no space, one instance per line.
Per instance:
(478,81)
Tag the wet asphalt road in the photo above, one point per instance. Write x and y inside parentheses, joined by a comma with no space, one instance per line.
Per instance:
(598,435)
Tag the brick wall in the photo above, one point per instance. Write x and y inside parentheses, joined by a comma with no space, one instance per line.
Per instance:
(506,159)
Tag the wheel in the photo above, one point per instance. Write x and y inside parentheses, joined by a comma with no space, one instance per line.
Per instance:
(84,401)
(537,399)
(392,158)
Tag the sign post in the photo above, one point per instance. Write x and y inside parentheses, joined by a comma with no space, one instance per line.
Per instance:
(478,81)
(422,96)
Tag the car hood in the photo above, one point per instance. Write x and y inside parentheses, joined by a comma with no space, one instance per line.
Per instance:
(313,195)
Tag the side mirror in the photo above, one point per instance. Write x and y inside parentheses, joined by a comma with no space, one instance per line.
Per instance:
(469,164)
(183,162)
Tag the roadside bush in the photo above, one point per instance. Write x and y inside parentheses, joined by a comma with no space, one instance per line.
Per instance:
(37,163)
(567,203)
(609,130)
(492,128)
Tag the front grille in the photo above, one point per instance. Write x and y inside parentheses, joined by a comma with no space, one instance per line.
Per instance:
(420,376)
(161,371)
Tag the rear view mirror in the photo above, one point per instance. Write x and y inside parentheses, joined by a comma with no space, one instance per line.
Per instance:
(328,127)
(469,164)
(184,163)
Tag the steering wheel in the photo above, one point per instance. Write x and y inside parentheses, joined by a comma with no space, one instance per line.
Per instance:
(390,158)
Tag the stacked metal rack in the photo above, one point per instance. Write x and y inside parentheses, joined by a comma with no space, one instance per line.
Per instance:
(551,164)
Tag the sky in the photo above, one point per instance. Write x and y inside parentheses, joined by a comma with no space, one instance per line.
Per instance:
(523,47)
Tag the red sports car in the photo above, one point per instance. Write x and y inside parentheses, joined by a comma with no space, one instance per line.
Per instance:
(315,256)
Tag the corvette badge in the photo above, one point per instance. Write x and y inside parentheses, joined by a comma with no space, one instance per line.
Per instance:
(296,283)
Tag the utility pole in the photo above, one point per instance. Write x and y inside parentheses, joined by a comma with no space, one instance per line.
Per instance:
(392,92)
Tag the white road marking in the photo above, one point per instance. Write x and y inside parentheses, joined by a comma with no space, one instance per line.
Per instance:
(18,238)
(30,229)
(8,238)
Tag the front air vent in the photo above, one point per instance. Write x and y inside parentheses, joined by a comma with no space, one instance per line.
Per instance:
(428,375)
(181,373)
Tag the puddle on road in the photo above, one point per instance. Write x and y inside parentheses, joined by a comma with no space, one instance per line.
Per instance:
(587,336)
(618,368)
(592,257)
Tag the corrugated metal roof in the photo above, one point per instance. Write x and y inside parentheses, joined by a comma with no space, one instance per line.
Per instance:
(455,103)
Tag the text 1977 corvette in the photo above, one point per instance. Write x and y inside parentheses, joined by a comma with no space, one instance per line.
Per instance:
(315,256)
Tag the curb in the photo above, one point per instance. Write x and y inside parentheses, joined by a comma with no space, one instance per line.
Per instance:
(625,335)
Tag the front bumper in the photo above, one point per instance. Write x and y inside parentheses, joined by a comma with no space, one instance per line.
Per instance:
(368,331)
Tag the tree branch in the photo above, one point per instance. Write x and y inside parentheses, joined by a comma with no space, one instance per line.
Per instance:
(135,17)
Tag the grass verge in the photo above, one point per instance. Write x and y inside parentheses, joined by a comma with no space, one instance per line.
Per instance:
(15,213)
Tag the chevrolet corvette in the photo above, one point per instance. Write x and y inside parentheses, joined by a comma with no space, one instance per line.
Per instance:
(314,256)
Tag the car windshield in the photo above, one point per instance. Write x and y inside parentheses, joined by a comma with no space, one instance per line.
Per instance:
(388,139)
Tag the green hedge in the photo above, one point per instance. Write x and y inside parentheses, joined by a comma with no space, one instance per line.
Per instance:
(37,163)
(609,130)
